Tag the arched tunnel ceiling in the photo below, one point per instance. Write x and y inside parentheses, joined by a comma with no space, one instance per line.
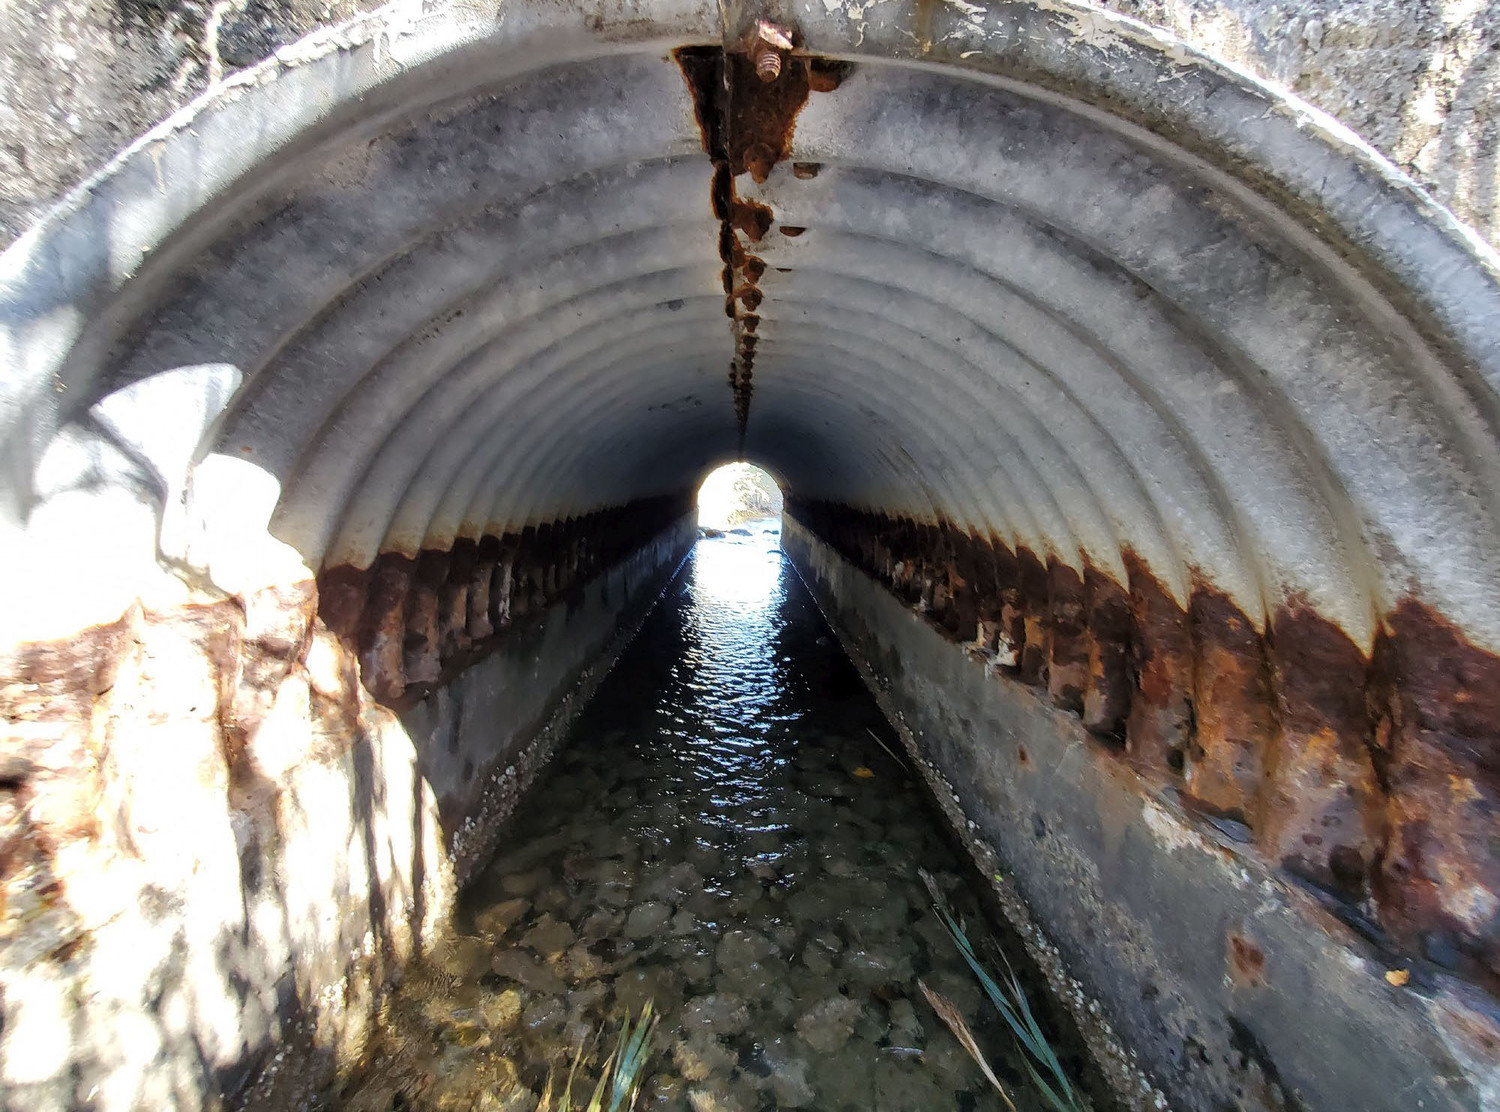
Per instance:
(1027,269)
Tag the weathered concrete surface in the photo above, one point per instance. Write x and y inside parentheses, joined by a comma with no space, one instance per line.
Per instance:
(82,78)
(1418,79)
(217,846)
(1235,989)
(496,723)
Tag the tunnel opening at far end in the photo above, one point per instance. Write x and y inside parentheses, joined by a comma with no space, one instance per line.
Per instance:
(733,858)
(737,494)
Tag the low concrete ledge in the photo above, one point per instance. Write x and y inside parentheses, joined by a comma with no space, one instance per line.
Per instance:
(489,731)
(1234,989)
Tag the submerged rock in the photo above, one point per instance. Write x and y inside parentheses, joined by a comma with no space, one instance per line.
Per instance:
(647,920)
(719,1013)
(503,1010)
(826,1026)
(739,949)
(787,1079)
(525,970)
(498,918)
(524,884)
(702,1056)
(549,936)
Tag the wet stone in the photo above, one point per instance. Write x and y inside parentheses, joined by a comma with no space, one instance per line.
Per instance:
(524,884)
(523,968)
(549,936)
(826,1027)
(647,919)
(466,958)
(544,1014)
(501,1011)
(702,1057)
(498,918)
(717,1014)
(702,842)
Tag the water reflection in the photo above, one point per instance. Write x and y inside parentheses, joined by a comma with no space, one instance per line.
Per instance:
(722,837)
(740,573)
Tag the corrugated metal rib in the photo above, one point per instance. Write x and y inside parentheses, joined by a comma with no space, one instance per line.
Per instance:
(488,299)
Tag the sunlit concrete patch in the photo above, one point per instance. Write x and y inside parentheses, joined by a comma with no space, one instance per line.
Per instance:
(224,846)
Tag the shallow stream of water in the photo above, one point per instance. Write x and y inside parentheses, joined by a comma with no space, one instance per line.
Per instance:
(723,836)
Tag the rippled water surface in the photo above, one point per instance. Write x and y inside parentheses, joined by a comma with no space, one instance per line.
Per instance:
(722,836)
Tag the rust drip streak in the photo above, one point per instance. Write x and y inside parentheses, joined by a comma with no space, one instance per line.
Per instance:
(1373,779)
(746,109)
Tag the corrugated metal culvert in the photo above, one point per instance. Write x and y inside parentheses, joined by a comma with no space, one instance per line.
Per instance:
(1156,384)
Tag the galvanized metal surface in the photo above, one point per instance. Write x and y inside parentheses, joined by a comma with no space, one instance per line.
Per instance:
(466,275)
(1010,309)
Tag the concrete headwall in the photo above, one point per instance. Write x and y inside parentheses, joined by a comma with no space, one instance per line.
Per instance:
(1235,988)
(219,845)
(1416,78)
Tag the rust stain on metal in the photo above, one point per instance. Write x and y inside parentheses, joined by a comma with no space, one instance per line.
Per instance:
(747,99)
(1322,810)
(1434,699)
(1247,962)
(1233,706)
(1372,779)
(413,622)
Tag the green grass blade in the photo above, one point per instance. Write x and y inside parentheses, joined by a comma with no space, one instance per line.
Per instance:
(596,1102)
(632,1054)
(1011,1002)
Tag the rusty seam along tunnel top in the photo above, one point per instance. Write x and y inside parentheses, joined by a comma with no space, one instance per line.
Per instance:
(1155,384)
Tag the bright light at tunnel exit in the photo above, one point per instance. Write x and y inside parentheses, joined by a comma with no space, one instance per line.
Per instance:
(737,493)
(739,570)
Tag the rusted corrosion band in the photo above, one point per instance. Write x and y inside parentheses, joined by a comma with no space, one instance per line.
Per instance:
(413,620)
(747,111)
(1372,778)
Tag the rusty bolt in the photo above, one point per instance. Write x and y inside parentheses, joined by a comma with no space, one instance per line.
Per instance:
(766,47)
(767,63)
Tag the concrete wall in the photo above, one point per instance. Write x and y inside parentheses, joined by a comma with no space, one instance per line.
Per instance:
(216,846)
(1236,989)
(1416,78)
(492,727)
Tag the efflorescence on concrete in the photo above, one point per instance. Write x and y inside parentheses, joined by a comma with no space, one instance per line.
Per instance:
(1372,779)
(747,109)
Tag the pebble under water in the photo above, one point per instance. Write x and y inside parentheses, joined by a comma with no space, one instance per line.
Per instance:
(723,836)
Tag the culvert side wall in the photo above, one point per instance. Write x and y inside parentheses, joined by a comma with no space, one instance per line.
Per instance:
(229,844)
(1196,955)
